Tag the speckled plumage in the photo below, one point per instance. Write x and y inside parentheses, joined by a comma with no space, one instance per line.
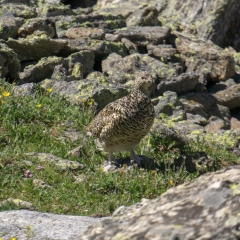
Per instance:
(123,123)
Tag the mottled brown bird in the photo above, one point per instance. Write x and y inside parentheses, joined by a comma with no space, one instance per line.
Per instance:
(123,123)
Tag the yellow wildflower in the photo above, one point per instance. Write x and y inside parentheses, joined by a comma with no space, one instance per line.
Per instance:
(2,102)
(49,90)
(154,172)
(171,182)
(101,168)
(39,105)
(6,94)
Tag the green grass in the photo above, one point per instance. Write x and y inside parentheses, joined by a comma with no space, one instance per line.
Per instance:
(37,123)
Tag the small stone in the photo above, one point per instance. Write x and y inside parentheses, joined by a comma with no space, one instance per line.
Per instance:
(41,184)
(27,163)
(77,152)
(60,163)
(17,202)
(235,123)
(215,124)
(79,179)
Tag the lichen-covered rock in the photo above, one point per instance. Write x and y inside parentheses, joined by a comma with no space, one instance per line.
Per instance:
(37,24)
(18,10)
(169,108)
(26,89)
(190,106)
(179,84)
(106,22)
(51,10)
(130,46)
(17,202)
(74,91)
(164,52)
(124,8)
(215,124)
(75,67)
(36,47)
(189,129)
(204,19)
(221,112)
(98,77)
(195,162)
(218,116)
(42,70)
(235,123)
(169,134)
(76,152)
(90,91)
(25,2)
(9,63)
(84,32)
(229,97)
(9,26)
(24,224)
(205,99)
(220,86)
(142,36)
(205,58)
(85,58)
(206,208)
(59,74)
(101,48)
(104,95)
(196,119)
(40,184)
(62,164)
(236,56)
(143,17)
(122,70)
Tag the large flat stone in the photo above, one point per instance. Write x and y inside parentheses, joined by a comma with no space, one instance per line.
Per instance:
(207,208)
(24,224)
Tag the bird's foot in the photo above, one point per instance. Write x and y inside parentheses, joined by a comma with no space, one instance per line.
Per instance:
(114,162)
(137,160)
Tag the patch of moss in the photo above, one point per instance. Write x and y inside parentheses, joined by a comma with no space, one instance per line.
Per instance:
(226,139)
(78,71)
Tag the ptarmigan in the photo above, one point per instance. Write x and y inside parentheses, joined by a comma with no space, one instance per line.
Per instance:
(123,123)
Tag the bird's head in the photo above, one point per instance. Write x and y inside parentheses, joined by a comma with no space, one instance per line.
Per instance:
(143,81)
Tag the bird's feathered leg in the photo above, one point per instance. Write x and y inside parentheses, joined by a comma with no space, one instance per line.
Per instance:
(111,158)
